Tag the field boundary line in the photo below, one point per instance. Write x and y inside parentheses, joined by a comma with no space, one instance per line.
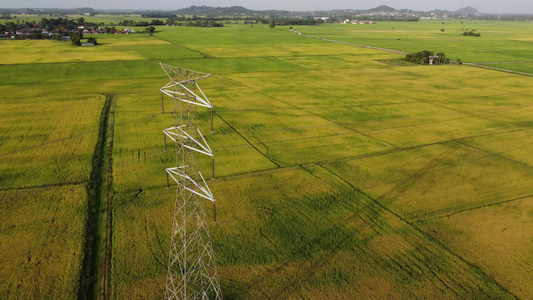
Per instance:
(44,186)
(351,129)
(318,116)
(401,149)
(477,65)
(75,62)
(249,143)
(357,157)
(367,104)
(503,62)
(472,208)
(351,44)
(496,153)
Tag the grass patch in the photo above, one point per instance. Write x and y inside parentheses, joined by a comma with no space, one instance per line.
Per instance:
(397,62)
(499,41)
(42,238)
(37,134)
(437,180)
(47,51)
(489,237)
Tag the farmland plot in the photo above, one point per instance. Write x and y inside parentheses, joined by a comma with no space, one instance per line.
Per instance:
(42,233)
(336,175)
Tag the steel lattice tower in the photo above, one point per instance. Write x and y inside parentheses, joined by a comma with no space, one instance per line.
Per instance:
(191,267)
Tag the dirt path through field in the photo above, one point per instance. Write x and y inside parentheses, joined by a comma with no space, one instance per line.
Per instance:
(95,277)
(352,44)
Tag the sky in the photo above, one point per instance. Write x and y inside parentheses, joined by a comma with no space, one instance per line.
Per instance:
(485,6)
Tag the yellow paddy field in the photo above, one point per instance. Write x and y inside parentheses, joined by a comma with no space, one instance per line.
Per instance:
(337,174)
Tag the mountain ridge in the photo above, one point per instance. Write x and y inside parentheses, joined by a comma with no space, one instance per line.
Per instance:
(240,10)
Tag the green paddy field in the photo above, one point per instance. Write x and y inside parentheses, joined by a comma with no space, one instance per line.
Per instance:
(338,174)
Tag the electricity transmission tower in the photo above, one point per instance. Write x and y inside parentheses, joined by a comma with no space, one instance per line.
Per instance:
(191,266)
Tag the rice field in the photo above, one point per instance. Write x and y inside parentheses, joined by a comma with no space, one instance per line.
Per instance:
(337,176)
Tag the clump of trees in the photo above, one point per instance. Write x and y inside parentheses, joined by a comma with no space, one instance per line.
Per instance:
(131,23)
(204,23)
(290,21)
(75,39)
(377,18)
(194,21)
(50,25)
(471,33)
(150,30)
(92,40)
(46,28)
(423,58)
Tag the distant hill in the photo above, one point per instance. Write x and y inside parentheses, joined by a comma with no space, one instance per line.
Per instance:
(468,11)
(232,11)
(380,13)
(382,8)
(208,10)
(239,10)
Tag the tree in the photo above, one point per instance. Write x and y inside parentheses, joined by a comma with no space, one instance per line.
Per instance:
(57,37)
(92,40)
(150,30)
(76,38)
(440,59)
(170,21)
(76,41)
(471,33)
(156,22)
(11,26)
(35,35)
(110,30)
(420,58)
(271,25)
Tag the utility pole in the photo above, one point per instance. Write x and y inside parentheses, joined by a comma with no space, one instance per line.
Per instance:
(192,270)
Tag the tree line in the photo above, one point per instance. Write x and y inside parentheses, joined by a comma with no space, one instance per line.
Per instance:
(57,29)
(51,25)
(132,23)
(290,21)
(471,33)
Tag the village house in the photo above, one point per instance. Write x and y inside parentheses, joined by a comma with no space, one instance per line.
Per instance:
(24,31)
